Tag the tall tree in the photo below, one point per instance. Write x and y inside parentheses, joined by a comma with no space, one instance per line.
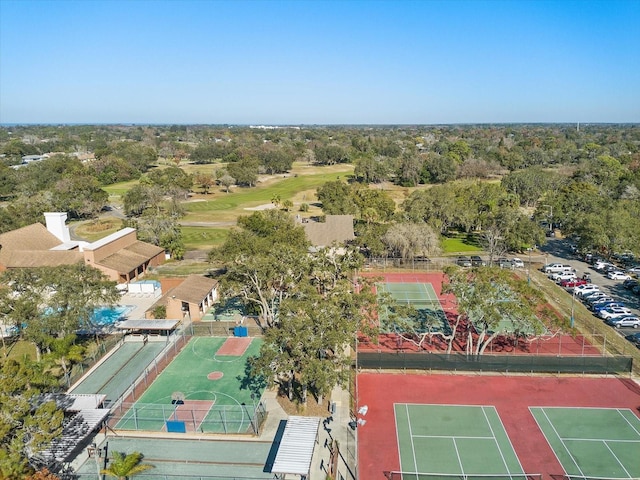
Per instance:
(494,302)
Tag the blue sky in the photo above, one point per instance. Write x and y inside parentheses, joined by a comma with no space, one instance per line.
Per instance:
(319,62)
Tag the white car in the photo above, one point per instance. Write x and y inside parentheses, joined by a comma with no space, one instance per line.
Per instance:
(582,290)
(614,312)
(556,267)
(593,296)
(517,263)
(618,275)
(558,277)
(628,321)
(634,270)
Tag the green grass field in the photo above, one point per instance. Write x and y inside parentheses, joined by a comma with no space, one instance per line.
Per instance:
(228,206)
(204,238)
(461,243)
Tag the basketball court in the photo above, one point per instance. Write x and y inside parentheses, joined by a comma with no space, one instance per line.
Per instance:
(206,388)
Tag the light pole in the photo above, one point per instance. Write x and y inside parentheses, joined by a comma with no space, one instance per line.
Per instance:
(529,266)
(98,453)
(573,299)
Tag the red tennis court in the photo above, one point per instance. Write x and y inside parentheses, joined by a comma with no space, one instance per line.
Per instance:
(510,395)
(552,344)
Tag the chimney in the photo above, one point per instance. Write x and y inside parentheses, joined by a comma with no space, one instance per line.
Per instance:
(56,225)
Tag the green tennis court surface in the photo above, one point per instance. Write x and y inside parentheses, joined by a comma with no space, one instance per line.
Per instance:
(216,393)
(438,442)
(429,316)
(593,442)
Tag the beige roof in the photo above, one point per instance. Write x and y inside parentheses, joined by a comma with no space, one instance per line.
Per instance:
(43,258)
(336,228)
(31,237)
(194,289)
(131,257)
(30,247)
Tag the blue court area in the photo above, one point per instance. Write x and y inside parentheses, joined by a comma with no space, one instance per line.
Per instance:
(118,372)
(593,442)
(443,441)
(192,459)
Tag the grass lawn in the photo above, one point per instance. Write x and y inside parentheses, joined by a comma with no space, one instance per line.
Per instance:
(95,230)
(203,238)
(18,349)
(297,187)
(460,244)
(180,269)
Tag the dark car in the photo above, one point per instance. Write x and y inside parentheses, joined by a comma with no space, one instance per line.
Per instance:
(477,261)
(504,263)
(463,261)
(630,283)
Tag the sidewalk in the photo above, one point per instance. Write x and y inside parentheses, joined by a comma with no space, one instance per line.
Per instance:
(337,428)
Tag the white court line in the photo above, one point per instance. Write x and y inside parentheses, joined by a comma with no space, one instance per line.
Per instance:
(504,461)
(562,442)
(509,439)
(458,455)
(627,420)
(617,459)
(454,436)
(413,448)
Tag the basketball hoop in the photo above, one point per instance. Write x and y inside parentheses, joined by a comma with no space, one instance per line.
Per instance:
(177,398)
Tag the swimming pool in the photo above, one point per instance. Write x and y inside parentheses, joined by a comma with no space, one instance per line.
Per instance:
(109,315)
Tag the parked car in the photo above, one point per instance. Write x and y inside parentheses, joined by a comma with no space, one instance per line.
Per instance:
(618,275)
(599,300)
(517,263)
(614,312)
(558,277)
(628,321)
(463,261)
(571,283)
(630,283)
(634,338)
(556,268)
(477,261)
(603,266)
(634,270)
(504,263)
(596,307)
(584,289)
(594,296)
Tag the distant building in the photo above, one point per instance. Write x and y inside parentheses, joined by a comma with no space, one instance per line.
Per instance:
(336,229)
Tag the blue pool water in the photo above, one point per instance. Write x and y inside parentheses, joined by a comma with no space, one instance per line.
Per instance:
(109,315)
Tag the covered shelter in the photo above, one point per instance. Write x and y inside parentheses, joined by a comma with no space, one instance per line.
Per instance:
(296,447)
(160,327)
(84,415)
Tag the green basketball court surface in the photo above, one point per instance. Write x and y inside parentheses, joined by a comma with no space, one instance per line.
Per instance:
(215,392)
(593,442)
(443,441)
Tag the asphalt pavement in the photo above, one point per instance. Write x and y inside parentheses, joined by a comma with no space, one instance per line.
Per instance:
(559,251)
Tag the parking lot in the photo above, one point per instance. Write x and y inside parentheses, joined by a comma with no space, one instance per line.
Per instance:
(559,251)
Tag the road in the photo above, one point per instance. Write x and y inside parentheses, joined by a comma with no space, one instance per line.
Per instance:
(558,251)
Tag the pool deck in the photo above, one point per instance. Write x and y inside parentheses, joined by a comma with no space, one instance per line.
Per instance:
(140,303)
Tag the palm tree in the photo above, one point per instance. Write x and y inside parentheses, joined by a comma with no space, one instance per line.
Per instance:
(122,467)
